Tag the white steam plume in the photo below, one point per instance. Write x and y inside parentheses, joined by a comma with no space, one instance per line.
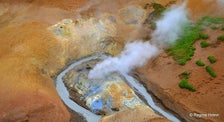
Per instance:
(135,54)
(220,2)
(170,26)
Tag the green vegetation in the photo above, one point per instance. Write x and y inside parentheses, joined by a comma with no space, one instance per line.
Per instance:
(212,59)
(203,36)
(200,63)
(184,84)
(185,75)
(153,25)
(210,21)
(220,38)
(214,27)
(210,71)
(204,44)
(183,49)
(153,16)
(158,6)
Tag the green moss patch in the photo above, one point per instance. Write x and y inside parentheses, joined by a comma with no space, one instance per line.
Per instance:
(210,21)
(214,27)
(204,44)
(183,49)
(200,63)
(210,70)
(185,75)
(184,84)
(212,59)
(203,36)
(220,38)
(158,7)
(155,14)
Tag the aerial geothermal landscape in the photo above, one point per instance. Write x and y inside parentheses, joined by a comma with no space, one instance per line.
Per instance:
(111,60)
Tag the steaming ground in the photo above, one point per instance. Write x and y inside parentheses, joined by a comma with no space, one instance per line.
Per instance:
(170,26)
(137,53)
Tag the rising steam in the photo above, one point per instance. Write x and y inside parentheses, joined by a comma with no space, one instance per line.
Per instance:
(220,2)
(136,54)
(170,26)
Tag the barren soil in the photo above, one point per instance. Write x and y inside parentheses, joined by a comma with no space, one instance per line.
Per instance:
(31,56)
(161,77)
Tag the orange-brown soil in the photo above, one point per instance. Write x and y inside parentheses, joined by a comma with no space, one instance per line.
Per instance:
(161,77)
(29,56)
(138,114)
(69,5)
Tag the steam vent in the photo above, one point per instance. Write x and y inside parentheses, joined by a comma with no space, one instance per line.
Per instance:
(102,96)
(111,61)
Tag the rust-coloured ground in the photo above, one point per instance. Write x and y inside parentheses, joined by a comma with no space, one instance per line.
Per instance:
(161,75)
(30,56)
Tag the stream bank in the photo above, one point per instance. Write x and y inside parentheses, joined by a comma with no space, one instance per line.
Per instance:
(134,84)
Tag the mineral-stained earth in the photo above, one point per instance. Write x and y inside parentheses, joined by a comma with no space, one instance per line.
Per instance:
(102,96)
(40,38)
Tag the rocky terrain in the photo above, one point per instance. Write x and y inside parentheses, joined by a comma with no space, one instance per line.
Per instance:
(40,38)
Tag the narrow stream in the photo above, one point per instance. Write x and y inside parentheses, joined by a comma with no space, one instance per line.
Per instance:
(64,94)
(142,90)
(91,117)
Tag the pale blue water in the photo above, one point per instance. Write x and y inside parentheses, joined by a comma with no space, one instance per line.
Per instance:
(99,103)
